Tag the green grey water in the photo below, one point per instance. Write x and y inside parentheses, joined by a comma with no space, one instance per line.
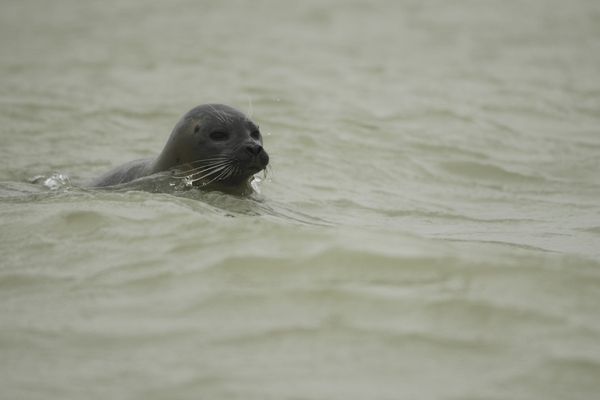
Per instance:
(429,229)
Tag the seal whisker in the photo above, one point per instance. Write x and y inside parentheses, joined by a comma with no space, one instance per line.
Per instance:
(222,172)
(203,165)
(208,160)
(230,171)
(211,164)
(192,180)
(191,171)
(201,169)
(250,111)
(219,114)
(225,173)
(224,117)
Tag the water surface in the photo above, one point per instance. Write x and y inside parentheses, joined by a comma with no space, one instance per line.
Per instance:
(429,229)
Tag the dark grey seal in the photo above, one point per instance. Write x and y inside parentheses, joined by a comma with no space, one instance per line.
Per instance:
(213,146)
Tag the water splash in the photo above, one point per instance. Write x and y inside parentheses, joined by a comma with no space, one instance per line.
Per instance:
(53,182)
(255,183)
(188,182)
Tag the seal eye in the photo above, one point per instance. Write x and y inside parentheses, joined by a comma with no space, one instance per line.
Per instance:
(219,136)
(255,135)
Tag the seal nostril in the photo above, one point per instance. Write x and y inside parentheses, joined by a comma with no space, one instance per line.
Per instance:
(254,149)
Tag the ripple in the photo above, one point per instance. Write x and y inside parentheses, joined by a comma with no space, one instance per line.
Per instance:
(471,170)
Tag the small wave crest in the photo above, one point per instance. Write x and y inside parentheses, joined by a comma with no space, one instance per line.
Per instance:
(55,181)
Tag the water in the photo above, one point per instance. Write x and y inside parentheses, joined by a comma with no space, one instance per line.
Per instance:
(430,228)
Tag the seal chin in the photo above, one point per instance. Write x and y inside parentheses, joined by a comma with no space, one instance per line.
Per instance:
(250,169)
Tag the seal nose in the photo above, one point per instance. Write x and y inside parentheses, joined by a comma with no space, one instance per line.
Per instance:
(254,149)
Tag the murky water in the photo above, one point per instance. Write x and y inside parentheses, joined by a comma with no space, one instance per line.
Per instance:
(430,228)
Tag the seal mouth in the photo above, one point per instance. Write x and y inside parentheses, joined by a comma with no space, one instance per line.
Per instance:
(256,163)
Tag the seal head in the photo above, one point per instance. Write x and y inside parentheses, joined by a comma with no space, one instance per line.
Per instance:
(212,146)
(214,143)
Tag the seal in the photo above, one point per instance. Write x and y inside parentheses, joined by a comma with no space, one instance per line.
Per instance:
(213,146)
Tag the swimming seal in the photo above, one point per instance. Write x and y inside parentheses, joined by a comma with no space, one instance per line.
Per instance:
(213,146)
